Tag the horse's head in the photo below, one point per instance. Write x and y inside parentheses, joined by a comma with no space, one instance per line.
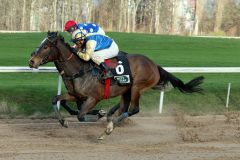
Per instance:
(46,52)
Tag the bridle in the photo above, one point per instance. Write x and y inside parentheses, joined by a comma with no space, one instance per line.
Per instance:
(52,44)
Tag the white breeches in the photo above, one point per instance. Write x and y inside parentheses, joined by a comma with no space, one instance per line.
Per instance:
(99,56)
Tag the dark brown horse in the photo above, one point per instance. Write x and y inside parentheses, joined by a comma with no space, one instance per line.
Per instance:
(99,113)
(145,74)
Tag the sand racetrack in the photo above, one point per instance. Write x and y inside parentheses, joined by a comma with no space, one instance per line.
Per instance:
(165,138)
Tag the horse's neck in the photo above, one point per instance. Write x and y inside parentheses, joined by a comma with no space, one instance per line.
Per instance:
(58,66)
(71,64)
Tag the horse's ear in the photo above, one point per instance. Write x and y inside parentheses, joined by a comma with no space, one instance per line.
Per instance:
(48,32)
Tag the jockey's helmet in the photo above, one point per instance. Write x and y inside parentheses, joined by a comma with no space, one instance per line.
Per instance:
(70,26)
(78,35)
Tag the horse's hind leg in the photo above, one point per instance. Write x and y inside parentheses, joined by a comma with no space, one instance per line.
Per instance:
(126,99)
(123,107)
(112,111)
(133,109)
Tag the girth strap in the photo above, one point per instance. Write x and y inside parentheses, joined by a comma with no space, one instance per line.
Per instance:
(77,75)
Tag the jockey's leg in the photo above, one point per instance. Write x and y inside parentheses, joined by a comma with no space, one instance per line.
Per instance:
(104,67)
(100,56)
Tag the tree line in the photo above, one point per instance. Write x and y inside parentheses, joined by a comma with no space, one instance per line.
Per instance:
(199,17)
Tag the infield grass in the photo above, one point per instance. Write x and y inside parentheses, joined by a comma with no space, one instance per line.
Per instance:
(31,93)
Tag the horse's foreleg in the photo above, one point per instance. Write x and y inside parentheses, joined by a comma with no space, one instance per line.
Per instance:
(66,97)
(67,108)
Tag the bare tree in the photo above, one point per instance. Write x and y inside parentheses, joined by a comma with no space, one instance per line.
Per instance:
(157,15)
(219,14)
(34,16)
(23,15)
(199,8)
(175,16)
(231,19)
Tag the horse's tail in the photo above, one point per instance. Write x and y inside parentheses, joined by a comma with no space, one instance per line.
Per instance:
(190,87)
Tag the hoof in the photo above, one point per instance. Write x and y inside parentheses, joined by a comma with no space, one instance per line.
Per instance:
(64,123)
(81,119)
(102,137)
(109,128)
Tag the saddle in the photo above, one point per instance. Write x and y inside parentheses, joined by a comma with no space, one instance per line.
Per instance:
(120,69)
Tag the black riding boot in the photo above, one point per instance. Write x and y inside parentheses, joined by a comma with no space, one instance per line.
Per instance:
(108,74)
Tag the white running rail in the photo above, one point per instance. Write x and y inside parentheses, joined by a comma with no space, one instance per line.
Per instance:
(7,69)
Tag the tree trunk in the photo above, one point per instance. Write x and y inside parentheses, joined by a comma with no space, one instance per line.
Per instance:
(135,4)
(63,18)
(23,15)
(175,16)
(59,8)
(219,13)
(128,15)
(125,12)
(33,16)
(198,15)
(121,14)
(157,15)
(55,14)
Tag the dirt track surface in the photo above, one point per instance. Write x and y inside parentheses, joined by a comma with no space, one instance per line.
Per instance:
(165,138)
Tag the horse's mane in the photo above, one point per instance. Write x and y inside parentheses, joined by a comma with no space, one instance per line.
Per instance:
(61,38)
(67,45)
(53,35)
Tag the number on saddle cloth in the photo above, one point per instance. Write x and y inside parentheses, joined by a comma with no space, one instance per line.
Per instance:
(120,69)
(122,72)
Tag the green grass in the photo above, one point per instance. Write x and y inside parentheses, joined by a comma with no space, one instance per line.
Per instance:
(31,93)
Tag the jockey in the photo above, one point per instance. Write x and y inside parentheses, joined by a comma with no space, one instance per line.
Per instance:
(97,47)
(90,28)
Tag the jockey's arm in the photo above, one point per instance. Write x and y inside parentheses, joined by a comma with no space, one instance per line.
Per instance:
(90,47)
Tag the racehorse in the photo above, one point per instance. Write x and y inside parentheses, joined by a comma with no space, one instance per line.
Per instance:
(145,75)
(69,86)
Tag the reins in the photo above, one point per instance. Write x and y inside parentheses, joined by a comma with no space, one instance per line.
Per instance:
(73,76)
